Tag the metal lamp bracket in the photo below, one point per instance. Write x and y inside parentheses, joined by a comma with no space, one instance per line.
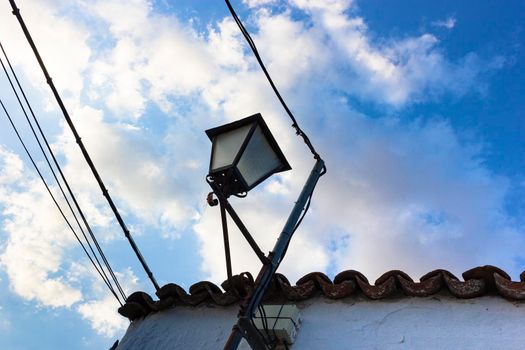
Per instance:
(270,264)
(225,206)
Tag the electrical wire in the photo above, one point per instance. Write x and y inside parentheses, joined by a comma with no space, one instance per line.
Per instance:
(35,119)
(252,45)
(264,321)
(108,267)
(295,125)
(264,336)
(89,161)
(57,165)
(305,210)
(51,194)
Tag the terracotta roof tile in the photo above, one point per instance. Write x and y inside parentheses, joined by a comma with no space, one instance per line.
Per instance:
(479,281)
(508,289)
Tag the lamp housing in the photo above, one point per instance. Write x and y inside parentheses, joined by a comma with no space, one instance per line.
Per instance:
(244,154)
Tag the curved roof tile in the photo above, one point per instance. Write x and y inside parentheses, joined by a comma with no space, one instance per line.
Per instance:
(479,281)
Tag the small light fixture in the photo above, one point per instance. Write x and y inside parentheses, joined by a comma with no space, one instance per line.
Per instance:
(244,154)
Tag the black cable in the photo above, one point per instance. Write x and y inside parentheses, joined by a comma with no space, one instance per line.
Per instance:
(306,207)
(51,193)
(105,193)
(264,337)
(276,339)
(251,43)
(264,322)
(295,125)
(81,213)
(104,276)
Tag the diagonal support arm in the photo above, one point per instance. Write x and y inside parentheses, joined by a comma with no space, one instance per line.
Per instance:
(237,220)
(244,328)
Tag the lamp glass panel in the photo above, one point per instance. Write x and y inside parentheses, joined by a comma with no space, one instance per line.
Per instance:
(227,145)
(258,158)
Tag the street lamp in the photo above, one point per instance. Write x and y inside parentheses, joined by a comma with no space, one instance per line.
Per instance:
(244,154)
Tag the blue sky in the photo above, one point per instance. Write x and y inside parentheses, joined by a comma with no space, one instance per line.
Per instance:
(417,108)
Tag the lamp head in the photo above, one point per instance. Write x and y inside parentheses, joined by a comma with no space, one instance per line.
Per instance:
(244,154)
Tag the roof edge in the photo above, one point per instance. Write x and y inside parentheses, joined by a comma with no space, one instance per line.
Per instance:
(479,281)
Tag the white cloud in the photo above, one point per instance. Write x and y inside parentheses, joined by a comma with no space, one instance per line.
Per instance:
(139,177)
(257,3)
(103,317)
(36,240)
(396,71)
(377,208)
(34,230)
(448,23)
(414,197)
(226,44)
(334,6)
(101,311)
(397,195)
(154,57)
(12,167)
(53,33)
(35,252)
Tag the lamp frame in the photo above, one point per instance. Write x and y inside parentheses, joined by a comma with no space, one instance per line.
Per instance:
(231,169)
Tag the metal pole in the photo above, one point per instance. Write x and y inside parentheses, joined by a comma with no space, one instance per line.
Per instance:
(240,330)
(226,240)
(105,192)
(246,233)
(237,220)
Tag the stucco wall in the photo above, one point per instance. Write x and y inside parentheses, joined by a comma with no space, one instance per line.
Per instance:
(438,322)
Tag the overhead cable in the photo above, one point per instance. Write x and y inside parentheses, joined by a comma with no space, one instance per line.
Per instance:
(57,165)
(251,43)
(295,124)
(53,197)
(83,149)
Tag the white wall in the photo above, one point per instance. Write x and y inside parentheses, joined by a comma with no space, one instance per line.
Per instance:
(438,322)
